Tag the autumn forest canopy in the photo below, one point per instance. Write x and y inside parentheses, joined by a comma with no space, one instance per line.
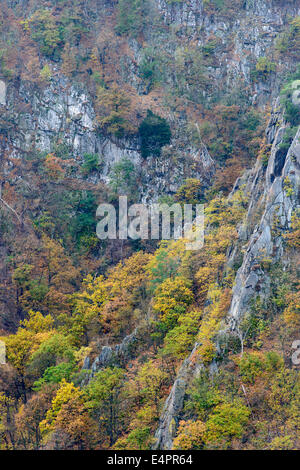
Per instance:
(171,102)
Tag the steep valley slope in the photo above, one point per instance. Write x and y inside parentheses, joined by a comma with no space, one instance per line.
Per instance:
(142,344)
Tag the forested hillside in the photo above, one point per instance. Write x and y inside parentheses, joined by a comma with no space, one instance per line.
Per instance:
(143,344)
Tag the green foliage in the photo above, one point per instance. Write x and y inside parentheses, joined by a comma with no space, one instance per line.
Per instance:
(55,349)
(83,223)
(213,400)
(6,72)
(250,367)
(292,111)
(289,41)
(133,16)
(139,437)
(218,4)
(172,299)
(155,132)
(102,386)
(72,25)
(256,364)
(22,273)
(264,67)
(62,150)
(165,263)
(209,48)
(191,78)
(292,114)
(70,215)
(180,340)
(252,120)
(55,374)
(253,325)
(227,421)
(103,398)
(191,192)
(46,73)
(203,396)
(51,31)
(37,289)
(150,67)
(91,163)
(123,177)
(45,31)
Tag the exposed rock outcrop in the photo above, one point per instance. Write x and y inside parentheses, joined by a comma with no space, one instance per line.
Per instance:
(246,31)
(2,93)
(37,120)
(111,356)
(274,192)
(173,406)
(279,200)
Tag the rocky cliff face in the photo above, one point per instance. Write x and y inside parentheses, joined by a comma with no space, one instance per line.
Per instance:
(37,119)
(168,422)
(274,193)
(244,31)
(279,200)
(110,356)
(231,39)
(75,87)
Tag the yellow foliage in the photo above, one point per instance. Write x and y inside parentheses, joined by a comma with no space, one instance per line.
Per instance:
(172,298)
(190,435)
(21,346)
(37,323)
(66,392)
(291,314)
(219,304)
(293,237)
